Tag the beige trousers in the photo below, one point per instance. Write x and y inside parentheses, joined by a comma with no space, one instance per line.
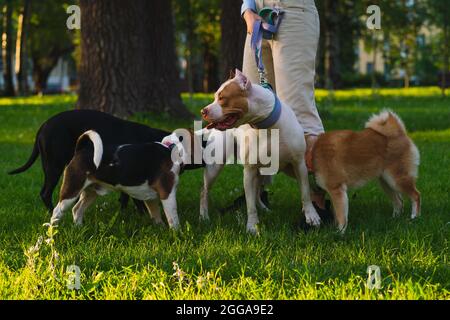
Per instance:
(290,59)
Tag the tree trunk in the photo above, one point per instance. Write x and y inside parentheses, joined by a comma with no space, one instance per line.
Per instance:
(210,76)
(445,56)
(190,47)
(43,66)
(198,71)
(405,60)
(332,63)
(161,83)
(7,50)
(40,78)
(386,56)
(406,80)
(374,61)
(349,34)
(233,36)
(128,61)
(21,49)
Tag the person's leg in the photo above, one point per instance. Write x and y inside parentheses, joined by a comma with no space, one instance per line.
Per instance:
(294,52)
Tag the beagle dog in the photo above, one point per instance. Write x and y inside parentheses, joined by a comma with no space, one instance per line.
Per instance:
(143,171)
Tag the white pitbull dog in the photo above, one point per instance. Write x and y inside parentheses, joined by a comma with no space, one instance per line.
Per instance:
(238,102)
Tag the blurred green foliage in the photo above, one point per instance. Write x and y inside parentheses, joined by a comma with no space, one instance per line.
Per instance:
(414,38)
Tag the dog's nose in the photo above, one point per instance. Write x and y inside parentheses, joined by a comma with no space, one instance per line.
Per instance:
(204,112)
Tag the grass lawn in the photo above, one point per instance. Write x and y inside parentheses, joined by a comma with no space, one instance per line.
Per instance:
(125,256)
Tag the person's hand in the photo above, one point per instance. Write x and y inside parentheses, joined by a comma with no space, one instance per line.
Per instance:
(250,17)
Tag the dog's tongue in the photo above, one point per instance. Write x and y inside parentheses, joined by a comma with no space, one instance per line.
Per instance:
(223,125)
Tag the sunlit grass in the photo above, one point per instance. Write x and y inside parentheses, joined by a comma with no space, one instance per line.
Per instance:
(37,100)
(125,256)
(384,92)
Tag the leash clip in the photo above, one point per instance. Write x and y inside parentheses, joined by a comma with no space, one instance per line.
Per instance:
(262,76)
(265,28)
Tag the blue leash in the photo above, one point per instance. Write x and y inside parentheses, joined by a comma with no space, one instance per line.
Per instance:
(266,30)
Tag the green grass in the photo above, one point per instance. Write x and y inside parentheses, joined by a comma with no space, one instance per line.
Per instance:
(125,256)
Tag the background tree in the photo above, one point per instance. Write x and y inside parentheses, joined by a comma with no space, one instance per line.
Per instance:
(349,35)
(210,36)
(49,39)
(128,61)
(402,21)
(210,42)
(373,40)
(21,48)
(233,33)
(439,16)
(8,49)
(186,38)
(198,40)
(331,25)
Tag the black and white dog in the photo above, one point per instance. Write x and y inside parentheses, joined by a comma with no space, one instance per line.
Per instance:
(56,139)
(144,171)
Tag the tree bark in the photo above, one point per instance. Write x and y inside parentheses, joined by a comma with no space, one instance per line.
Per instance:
(40,78)
(21,49)
(190,48)
(374,61)
(332,48)
(43,66)
(445,56)
(211,67)
(233,36)
(7,50)
(128,60)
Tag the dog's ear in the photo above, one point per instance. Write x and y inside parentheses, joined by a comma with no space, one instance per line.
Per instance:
(243,81)
(232,74)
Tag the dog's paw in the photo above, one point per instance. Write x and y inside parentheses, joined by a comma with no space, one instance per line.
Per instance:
(54,221)
(204,218)
(253,229)
(341,229)
(78,219)
(204,214)
(312,218)
(158,222)
(174,224)
(396,212)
